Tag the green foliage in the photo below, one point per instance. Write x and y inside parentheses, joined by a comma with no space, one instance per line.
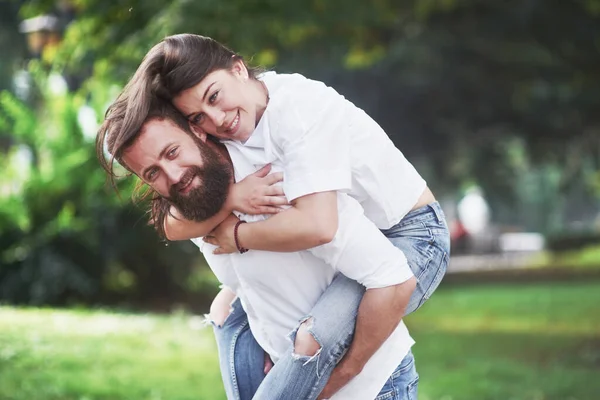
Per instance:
(66,237)
(497,93)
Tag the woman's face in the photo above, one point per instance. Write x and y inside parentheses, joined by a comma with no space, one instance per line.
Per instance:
(225,104)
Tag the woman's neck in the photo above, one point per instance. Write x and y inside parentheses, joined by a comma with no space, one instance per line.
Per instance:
(262,94)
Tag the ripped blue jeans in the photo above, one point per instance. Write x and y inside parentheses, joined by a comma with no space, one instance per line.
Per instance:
(423,237)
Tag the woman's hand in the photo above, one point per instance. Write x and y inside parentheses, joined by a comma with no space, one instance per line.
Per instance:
(258,194)
(222,236)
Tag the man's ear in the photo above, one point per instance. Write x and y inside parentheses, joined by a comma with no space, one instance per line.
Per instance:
(200,134)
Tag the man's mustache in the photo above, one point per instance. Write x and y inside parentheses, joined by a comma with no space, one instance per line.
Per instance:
(185,180)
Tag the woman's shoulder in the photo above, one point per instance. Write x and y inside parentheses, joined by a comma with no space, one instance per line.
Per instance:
(297,103)
(288,88)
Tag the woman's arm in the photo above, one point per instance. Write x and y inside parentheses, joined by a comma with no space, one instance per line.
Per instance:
(178,228)
(256,194)
(311,221)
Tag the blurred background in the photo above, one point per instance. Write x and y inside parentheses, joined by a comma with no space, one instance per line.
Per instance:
(495,102)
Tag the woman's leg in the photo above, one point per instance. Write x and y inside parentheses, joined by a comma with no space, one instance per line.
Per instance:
(241,359)
(323,337)
(318,343)
(423,237)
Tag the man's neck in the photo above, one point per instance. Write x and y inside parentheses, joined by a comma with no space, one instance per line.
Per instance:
(220,149)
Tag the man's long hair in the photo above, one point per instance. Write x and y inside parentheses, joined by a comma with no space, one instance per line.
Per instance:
(115,138)
(175,64)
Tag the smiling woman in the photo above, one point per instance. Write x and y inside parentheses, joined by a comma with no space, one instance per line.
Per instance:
(226,103)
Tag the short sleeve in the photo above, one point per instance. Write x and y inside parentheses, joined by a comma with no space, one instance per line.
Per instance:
(309,131)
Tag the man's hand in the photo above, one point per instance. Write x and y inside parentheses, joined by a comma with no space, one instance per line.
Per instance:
(341,375)
(258,194)
(222,236)
(268,364)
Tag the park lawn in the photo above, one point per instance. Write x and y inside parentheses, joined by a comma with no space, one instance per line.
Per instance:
(90,355)
(510,341)
(534,341)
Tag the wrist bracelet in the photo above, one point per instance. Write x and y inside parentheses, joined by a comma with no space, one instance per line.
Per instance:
(241,249)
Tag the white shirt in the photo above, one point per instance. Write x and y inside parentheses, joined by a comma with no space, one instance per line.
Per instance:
(332,153)
(330,144)
(323,143)
(278,289)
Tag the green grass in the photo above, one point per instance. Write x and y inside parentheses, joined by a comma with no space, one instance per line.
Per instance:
(46,354)
(537,342)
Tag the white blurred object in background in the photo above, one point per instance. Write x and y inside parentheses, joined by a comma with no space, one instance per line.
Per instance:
(521,241)
(474,212)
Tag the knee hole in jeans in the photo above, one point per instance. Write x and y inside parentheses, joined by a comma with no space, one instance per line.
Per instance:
(305,343)
(219,312)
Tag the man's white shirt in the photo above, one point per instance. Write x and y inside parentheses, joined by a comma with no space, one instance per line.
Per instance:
(278,289)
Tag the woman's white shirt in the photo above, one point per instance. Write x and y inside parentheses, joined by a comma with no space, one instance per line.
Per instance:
(327,143)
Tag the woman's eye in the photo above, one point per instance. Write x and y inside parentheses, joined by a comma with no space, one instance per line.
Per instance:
(213,98)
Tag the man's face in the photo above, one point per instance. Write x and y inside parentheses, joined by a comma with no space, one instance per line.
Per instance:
(184,169)
(223,104)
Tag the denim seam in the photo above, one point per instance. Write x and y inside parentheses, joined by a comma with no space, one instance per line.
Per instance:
(410,386)
(232,359)
(392,393)
(436,211)
(389,395)
(438,277)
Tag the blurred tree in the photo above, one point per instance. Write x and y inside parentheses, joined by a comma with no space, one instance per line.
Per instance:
(65,237)
(12,42)
(498,92)
(442,77)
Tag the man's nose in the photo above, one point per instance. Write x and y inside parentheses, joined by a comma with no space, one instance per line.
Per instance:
(174,174)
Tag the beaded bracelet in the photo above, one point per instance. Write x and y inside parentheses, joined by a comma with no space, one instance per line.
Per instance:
(241,249)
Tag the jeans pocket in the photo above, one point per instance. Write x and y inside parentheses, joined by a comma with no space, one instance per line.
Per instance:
(387,395)
(412,389)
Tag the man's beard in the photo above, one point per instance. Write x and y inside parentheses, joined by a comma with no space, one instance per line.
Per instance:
(206,200)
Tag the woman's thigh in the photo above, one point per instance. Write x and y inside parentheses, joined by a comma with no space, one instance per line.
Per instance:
(330,324)
(424,239)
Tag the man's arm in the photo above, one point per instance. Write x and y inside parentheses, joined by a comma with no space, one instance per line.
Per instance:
(256,194)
